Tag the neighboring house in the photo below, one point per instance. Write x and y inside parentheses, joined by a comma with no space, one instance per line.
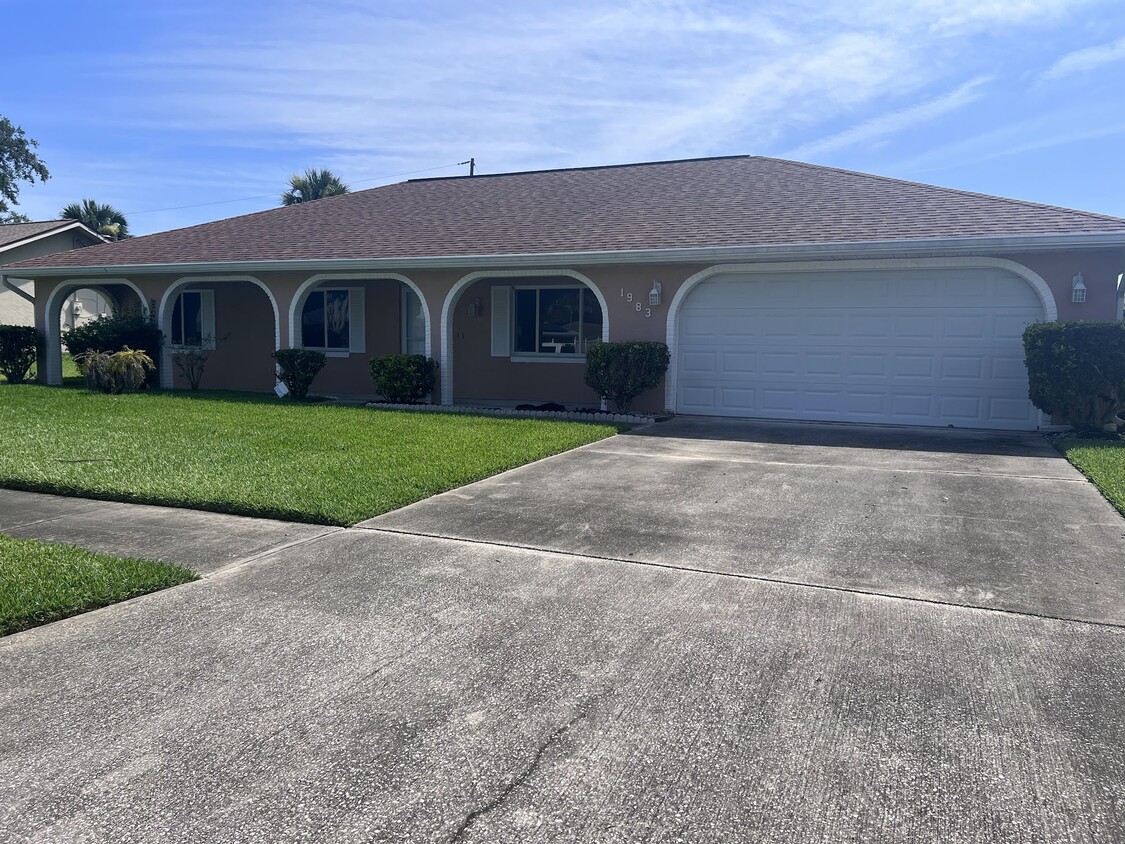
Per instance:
(19,241)
(784,290)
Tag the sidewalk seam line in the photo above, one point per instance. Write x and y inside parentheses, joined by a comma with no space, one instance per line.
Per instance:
(744,576)
(740,460)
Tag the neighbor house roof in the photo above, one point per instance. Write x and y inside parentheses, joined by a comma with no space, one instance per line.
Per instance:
(712,202)
(14,234)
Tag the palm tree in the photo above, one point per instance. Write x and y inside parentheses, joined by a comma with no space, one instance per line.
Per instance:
(315,184)
(103,219)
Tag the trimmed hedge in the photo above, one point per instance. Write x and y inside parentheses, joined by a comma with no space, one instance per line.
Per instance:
(620,372)
(404,379)
(18,347)
(1076,370)
(298,369)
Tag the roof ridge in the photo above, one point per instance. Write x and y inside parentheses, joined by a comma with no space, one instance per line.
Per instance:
(60,220)
(575,169)
(1024,202)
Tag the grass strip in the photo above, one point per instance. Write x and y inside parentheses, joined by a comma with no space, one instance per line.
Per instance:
(1100,460)
(44,581)
(257,455)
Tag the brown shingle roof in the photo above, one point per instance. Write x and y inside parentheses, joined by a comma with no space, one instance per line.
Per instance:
(15,232)
(734,201)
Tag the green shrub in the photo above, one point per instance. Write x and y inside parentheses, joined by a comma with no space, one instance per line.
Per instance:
(1077,371)
(404,379)
(127,329)
(125,371)
(18,346)
(622,371)
(298,369)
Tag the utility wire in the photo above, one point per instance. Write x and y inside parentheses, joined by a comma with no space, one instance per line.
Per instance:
(268,195)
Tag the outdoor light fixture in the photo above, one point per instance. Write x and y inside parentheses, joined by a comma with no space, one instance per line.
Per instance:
(475,306)
(1078,289)
(654,294)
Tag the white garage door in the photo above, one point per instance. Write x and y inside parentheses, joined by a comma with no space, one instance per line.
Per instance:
(909,347)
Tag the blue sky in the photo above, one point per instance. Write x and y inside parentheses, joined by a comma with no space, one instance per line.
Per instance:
(157,105)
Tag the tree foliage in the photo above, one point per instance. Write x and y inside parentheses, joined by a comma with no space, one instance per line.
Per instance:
(18,163)
(1077,371)
(103,219)
(314,184)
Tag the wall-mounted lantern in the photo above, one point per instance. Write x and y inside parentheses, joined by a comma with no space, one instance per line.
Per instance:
(654,294)
(475,306)
(1078,289)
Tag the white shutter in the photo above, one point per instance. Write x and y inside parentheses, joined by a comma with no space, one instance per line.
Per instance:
(501,321)
(357,331)
(207,317)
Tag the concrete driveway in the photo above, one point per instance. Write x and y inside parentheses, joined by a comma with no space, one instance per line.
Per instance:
(703,631)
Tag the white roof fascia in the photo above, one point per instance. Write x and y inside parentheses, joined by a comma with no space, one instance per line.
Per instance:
(686,255)
(73,224)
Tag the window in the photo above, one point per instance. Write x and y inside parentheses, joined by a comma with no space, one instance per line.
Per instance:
(554,320)
(413,323)
(193,319)
(332,319)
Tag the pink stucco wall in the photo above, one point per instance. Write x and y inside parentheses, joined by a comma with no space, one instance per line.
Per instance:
(244,322)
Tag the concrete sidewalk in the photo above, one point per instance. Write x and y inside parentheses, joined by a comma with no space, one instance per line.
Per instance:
(203,542)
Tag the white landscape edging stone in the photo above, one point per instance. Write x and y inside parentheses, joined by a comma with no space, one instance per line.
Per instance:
(567,415)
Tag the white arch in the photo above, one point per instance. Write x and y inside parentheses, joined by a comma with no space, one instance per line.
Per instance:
(445,366)
(309,283)
(167,301)
(1050,309)
(53,331)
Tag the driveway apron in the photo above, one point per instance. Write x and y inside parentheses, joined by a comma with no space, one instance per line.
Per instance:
(974,518)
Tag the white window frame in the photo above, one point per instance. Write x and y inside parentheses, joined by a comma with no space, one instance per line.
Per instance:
(407,296)
(539,356)
(357,329)
(207,320)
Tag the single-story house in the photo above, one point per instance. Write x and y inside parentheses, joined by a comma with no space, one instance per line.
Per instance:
(784,290)
(19,241)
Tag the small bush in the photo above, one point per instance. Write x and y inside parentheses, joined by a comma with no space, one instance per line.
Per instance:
(404,379)
(620,372)
(18,345)
(298,369)
(1077,371)
(134,330)
(125,371)
(191,361)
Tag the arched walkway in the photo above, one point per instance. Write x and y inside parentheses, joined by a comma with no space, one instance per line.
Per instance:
(449,309)
(119,292)
(228,323)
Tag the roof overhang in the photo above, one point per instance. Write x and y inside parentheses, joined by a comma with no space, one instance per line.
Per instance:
(691,255)
(63,227)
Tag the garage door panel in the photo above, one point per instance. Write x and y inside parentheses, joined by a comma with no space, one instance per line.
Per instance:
(736,363)
(913,347)
(962,366)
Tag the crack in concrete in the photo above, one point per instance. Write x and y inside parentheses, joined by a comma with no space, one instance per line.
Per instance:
(553,739)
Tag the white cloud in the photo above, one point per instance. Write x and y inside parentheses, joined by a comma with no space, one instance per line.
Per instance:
(885,125)
(1091,58)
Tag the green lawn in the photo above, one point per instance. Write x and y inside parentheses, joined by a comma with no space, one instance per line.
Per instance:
(42,581)
(1102,461)
(70,372)
(257,455)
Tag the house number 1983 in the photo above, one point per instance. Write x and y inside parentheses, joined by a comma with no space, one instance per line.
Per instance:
(628,297)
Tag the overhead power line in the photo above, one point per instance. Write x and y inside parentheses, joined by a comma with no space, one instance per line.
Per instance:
(268,195)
